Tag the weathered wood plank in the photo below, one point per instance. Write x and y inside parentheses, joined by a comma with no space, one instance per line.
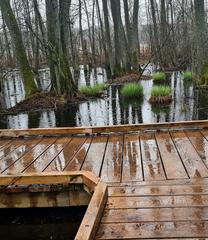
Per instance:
(44,200)
(105,129)
(10,147)
(132,163)
(153,230)
(15,155)
(4,142)
(152,164)
(47,156)
(172,163)
(88,227)
(65,155)
(192,161)
(112,163)
(27,159)
(77,161)
(158,201)
(157,190)
(190,181)
(154,214)
(95,155)
(200,143)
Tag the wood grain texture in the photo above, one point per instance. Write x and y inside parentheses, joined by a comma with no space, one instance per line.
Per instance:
(191,159)
(203,124)
(173,165)
(152,164)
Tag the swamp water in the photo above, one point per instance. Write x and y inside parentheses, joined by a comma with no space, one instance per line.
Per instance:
(189,103)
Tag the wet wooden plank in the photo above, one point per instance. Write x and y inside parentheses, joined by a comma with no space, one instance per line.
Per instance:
(4,142)
(192,161)
(158,201)
(10,147)
(190,181)
(105,129)
(132,163)
(205,133)
(153,230)
(173,165)
(112,164)
(48,155)
(152,164)
(157,190)
(27,159)
(95,155)
(154,214)
(63,158)
(77,161)
(89,224)
(15,155)
(200,143)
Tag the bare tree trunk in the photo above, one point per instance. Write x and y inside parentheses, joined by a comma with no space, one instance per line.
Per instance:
(110,60)
(135,36)
(25,69)
(200,36)
(83,42)
(58,35)
(155,31)
(122,58)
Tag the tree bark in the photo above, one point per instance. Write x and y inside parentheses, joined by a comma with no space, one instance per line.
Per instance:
(16,37)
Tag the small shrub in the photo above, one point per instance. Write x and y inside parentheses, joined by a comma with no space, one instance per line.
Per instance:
(187,75)
(159,76)
(161,94)
(93,91)
(132,90)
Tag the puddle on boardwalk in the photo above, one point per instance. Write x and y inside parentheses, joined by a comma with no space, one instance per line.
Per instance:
(189,103)
(41,224)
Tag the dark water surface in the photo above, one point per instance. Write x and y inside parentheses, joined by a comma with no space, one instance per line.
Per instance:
(189,103)
(40,223)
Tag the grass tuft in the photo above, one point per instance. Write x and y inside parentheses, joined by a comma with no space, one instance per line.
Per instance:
(132,90)
(161,94)
(93,91)
(187,75)
(159,76)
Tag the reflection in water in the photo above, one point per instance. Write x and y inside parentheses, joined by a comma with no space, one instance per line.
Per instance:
(188,104)
(13,89)
(47,119)
(17,121)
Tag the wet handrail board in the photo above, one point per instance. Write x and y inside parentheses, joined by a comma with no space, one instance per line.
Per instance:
(91,220)
(104,129)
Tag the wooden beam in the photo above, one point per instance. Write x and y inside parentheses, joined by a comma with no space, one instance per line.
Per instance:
(88,227)
(105,129)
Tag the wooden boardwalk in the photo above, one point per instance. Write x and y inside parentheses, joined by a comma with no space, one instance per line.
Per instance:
(157,180)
